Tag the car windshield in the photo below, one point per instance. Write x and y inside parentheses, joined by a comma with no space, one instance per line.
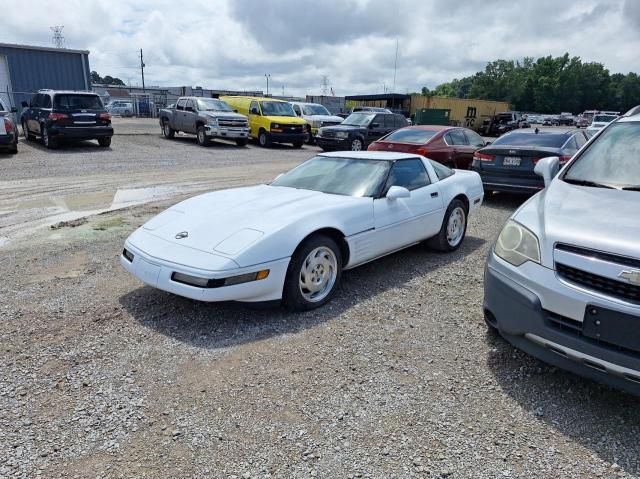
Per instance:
(211,104)
(77,102)
(411,135)
(315,110)
(612,159)
(339,176)
(359,119)
(604,118)
(277,108)
(531,139)
(2,107)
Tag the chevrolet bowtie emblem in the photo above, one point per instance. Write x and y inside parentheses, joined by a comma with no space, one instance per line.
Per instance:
(182,234)
(632,277)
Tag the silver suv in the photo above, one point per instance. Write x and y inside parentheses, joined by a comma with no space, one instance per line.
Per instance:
(562,281)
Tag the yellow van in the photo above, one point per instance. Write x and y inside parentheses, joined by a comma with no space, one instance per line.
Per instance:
(270,120)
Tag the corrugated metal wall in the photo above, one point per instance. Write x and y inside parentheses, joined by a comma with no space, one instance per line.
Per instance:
(33,69)
(464,112)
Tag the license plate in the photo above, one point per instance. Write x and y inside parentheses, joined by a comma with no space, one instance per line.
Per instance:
(511,161)
(613,327)
(147,272)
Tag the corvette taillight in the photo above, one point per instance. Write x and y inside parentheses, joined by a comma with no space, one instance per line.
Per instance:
(57,116)
(8,126)
(483,157)
(422,151)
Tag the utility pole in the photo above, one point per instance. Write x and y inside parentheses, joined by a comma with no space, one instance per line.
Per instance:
(395,68)
(142,65)
(267,76)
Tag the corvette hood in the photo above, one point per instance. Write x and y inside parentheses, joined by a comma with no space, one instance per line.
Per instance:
(596,218)
(228,222)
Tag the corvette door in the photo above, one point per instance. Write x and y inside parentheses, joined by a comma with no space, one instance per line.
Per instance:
(404,221)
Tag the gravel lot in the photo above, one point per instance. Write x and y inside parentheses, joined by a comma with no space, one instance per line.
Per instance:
(397,377)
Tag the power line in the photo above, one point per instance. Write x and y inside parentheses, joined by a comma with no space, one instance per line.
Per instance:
(58,39)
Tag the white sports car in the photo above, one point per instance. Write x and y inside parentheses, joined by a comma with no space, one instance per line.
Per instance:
(292,239)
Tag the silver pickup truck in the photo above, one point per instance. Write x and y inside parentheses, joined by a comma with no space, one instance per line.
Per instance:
(206,118)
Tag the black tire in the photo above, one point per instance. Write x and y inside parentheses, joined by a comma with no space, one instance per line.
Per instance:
(310,139)
(357,144)
(242,141)
(14,149)
(167,131)
(298,144)
(441,241)
(104,142)
(488,194)
(263,139)
(292,294)
(201,137)
(27,134)
(47,141)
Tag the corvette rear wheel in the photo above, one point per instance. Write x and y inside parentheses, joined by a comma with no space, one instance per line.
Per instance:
(314,273)
(453,229)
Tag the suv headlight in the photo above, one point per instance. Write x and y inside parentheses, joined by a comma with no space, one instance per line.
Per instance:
(517,244)
(342,134)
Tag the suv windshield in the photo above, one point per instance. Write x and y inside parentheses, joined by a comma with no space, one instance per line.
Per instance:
(339,176)
(77,102)
(532,139)
(277,108)
(315,110)
(211,104)
(611,160)
(604,118)
(359,119)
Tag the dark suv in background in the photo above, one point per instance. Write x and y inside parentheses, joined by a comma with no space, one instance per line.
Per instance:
(359,130)
(56,116)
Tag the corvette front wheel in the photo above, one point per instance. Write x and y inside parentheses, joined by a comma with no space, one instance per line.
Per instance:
(313,275)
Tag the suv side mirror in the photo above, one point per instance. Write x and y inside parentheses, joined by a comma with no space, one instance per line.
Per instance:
(397,192)
(24,104)
(548,168)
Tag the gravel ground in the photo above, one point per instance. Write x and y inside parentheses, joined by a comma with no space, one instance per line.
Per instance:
(397,377)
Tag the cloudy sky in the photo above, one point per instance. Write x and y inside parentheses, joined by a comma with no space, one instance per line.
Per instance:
(232,44)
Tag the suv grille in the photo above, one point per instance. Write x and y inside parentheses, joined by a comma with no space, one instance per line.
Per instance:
(329,134)
(608,286)
(330,123)
(589,253)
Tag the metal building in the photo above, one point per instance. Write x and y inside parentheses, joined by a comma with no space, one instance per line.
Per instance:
(26,69)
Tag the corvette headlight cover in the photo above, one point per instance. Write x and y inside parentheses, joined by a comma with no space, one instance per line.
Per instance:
(517,244)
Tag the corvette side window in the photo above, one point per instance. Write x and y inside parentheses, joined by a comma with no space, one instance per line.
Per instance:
(411,174)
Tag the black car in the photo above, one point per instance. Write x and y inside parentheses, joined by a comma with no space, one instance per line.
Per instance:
(55,116)
(359,130)
(507,164)
(8,130)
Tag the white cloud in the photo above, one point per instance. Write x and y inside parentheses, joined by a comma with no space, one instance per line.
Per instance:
(233,43)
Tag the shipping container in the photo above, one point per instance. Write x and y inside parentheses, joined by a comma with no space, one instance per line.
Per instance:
(463,112)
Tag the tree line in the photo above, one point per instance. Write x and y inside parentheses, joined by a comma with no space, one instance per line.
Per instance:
(96,79)
(547,85)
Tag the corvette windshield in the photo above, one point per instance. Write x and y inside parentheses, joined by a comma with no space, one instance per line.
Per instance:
(611,160)
(339,176)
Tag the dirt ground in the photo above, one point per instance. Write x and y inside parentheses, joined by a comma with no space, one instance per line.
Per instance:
(102,377)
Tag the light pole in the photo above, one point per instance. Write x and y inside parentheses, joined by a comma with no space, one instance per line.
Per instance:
(267,76)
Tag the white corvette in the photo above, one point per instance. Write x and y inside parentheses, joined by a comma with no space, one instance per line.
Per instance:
(292,239)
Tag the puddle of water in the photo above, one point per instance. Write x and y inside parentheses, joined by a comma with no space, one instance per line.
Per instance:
(30,215)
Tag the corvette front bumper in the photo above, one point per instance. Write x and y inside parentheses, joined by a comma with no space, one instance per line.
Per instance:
(158,273)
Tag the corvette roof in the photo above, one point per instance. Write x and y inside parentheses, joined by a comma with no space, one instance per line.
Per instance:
(370,155)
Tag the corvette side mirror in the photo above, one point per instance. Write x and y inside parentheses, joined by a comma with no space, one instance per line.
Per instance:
(548,168)
(397,192)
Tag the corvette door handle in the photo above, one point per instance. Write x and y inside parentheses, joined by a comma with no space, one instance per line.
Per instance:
(434,195)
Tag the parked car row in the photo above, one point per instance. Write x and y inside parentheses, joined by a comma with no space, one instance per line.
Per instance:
(8,129)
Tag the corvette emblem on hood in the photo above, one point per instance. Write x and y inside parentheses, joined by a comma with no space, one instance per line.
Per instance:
(182,234)
(632,277)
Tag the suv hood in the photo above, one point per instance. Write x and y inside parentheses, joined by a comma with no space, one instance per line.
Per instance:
(227,222)
(596,218)
(343,127)
(323,118)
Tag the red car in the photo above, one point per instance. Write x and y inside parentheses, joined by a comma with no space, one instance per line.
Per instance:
(449,145)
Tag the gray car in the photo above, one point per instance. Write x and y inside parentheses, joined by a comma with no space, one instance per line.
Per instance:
(562,281)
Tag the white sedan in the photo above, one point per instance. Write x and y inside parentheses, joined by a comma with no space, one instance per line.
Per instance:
(291,240)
